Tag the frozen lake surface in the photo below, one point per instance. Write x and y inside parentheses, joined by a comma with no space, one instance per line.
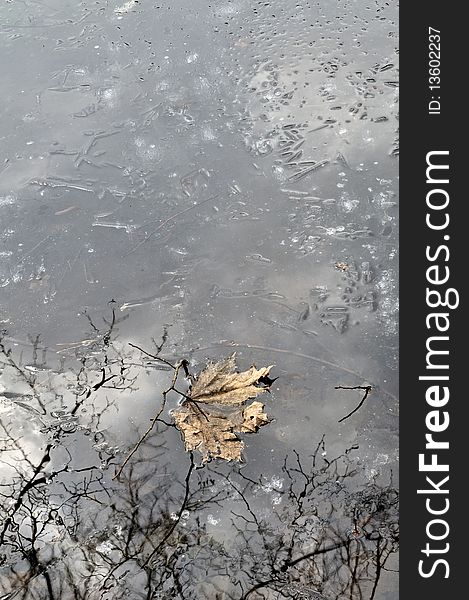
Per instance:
(198,179)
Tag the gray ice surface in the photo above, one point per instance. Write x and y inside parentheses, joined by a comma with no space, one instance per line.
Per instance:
(227,171)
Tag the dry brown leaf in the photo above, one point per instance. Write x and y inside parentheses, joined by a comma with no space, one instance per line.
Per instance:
(219,383)
(214,434)
(213,438)
(254,417)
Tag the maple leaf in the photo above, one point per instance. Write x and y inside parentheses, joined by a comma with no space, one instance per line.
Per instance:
(220,383)
(254,417)
(213,437)
(211,432)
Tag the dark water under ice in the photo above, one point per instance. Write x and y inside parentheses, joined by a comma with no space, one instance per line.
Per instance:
(218,177)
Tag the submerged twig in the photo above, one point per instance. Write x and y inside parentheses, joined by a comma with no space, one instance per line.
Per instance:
(282,351)
(155,356)
(168,220)
(366,388)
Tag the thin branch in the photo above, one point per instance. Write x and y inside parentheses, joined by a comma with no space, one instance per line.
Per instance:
(140,442)
(33,481)
(367,389)
(181,364)
(155,356)
(178,516)
(168,220)
(291,563)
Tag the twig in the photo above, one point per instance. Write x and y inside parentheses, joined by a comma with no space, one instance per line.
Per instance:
(140,442)
(367,389)
(195,404)
(291,563)
(179,514)
(32,482)
(281,351)
(181,364)
(166,221)
(155,356)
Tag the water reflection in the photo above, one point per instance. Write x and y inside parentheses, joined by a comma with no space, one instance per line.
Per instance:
(164,527)
(213,178)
